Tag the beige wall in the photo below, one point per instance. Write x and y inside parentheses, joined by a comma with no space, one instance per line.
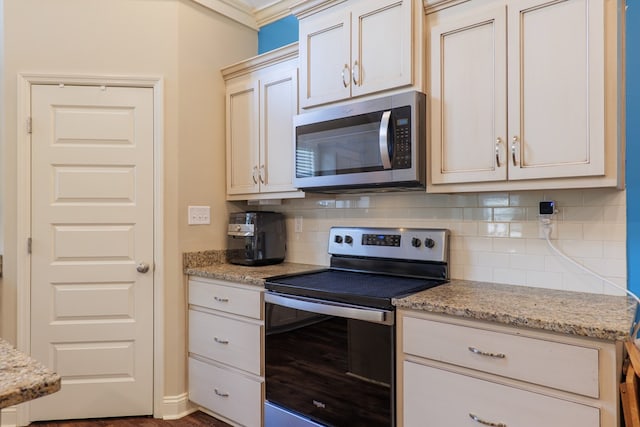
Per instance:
(178,40)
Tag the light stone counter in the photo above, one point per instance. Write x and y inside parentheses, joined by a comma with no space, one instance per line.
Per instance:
(22,378)
(573,313)
(247,274)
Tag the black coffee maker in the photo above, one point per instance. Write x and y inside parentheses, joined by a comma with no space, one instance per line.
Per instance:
(256,238)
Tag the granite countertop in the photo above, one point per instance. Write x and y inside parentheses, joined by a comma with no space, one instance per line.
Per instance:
(248,274)
(574,313)
(22,378)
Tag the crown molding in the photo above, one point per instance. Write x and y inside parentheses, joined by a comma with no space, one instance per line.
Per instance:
(250,17)
(277,10)
(232,9)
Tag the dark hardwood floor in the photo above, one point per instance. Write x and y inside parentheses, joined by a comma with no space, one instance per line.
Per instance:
(197,419)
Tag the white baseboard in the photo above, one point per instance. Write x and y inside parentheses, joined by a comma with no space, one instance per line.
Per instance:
(176,407)
(9,417)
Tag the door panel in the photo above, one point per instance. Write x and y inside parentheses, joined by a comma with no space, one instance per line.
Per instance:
(468,98)
(556,113)
(92,223)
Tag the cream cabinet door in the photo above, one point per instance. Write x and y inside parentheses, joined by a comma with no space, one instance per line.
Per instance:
(325,57)
(381,45)
(468,97)
(279,103)
(436,397)
(242,137)
(556,88)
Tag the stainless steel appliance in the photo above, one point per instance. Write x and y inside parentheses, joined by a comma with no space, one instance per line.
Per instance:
(256,238)
(330,334)
(373,144)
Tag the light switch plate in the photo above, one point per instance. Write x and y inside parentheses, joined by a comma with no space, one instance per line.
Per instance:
(199,215)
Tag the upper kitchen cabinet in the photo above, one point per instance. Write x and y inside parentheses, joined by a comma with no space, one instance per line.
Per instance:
(524,94)
(357,47)
(261,100)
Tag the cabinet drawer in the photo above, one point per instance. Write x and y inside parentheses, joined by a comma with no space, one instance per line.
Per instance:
(229,394)
(229,341)
(230,299)
(434,397)
(548,363)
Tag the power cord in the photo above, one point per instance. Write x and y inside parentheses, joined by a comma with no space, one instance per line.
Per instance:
(546,228)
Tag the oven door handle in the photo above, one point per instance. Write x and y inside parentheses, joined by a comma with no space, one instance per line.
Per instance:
(331,308)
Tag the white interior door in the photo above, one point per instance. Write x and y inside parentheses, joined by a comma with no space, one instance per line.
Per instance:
(92,225)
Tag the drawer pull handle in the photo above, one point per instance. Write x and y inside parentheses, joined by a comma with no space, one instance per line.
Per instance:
(221,299)
(219,393)
(219,341)
(486,423)
(486,353)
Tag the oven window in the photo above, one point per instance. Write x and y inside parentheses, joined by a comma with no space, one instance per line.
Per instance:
(335,371)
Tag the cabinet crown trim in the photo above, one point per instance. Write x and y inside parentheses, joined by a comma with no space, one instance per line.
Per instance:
(431,6)
(306,8)
(258,62)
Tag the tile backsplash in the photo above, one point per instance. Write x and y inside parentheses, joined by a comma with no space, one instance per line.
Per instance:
(495,237)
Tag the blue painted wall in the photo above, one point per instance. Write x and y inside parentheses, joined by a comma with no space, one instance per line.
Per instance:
(633,143)
(278,34)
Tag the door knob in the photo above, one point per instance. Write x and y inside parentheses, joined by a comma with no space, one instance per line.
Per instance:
(142,267)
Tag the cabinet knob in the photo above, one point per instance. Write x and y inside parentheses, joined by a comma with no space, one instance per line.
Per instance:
(485,422)
(142,267)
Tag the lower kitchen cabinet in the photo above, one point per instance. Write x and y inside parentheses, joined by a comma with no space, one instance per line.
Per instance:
(454,371)
(226,373)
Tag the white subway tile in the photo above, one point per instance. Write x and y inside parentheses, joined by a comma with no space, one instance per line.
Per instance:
(493,229)
(564,198)
(511,246)
(526,262)
(463,200)
(583,213)
(568,231)
(477,214)
(491,259)
(478,273)
(492,200)
(581,248)
(615,213)
(605,197)
(526,198)
(523,230)
(509,214)
(476,243)
(582,283)
(537,247)
(543,279)
(615,250)
(510,276)
(607,232)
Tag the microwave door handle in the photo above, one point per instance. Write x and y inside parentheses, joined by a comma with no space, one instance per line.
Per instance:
(384,140)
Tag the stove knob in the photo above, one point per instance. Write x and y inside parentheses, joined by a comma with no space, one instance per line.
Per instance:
(338,239)
(429,242)
(348,239)
(415,242)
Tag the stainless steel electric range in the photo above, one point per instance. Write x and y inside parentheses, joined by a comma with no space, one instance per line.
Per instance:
(330,334)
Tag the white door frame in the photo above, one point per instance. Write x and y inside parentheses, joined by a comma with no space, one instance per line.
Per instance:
(23,140)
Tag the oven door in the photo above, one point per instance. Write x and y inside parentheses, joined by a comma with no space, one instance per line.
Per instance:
(328,364)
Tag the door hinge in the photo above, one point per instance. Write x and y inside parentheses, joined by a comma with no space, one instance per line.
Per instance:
(28,125)
(29,242)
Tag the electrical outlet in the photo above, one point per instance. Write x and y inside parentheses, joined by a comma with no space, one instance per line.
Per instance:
(298,224)
(199,215)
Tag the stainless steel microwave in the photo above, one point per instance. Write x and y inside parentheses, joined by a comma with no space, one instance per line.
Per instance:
(377,144)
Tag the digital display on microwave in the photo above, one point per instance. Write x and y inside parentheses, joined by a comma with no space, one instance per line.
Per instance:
(402,122)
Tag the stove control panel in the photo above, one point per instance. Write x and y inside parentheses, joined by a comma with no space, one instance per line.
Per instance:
(422,244)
